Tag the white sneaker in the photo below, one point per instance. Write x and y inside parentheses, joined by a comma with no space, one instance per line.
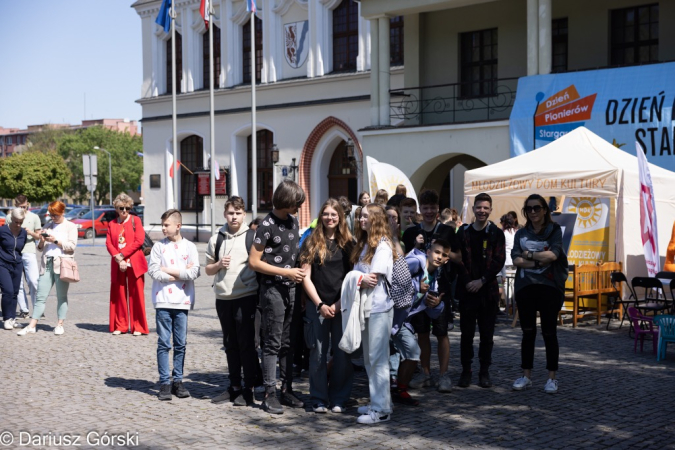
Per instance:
(9,324)
(421,380)
(26,331)
(58,330)
(522,383)
(320,408)
(551,386)
(445,383)
(373,417)
(365,409)
(338,409)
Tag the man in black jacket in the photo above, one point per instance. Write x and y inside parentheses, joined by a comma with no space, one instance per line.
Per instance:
(483,254)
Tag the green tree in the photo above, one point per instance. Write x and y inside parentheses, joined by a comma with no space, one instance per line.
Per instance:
(41,176)
(127,166)
(47,139)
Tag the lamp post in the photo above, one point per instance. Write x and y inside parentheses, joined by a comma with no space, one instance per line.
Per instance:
(109,170)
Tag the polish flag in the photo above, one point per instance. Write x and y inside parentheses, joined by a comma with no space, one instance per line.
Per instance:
(204,9)
(648,227)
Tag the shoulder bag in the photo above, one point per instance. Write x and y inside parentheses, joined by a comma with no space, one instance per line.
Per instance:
(69,270)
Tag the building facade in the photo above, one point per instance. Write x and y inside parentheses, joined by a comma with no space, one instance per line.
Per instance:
(464,61)
(425,85)
(313,94)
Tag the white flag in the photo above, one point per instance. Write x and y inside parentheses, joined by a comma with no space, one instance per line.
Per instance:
(216,167)
(648,228)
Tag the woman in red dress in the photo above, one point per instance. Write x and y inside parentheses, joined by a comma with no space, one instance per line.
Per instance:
(124,241)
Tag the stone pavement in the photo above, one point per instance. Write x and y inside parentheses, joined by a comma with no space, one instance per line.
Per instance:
(87,382)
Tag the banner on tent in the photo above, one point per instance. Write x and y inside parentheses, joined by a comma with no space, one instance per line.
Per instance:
(560,185)
(590,241)
(620,105)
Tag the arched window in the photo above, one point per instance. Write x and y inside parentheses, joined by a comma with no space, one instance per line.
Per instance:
(246,59)
(396,41)
(345,36)
(264,142)
(216,57)
(179,63)
(192,159)
(342,176)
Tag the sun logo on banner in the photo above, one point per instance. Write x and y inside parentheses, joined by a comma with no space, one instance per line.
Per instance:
(588,209)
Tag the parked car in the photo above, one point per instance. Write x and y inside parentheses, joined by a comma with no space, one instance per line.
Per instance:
(101,219)
(43,214)
(76,213)
(3,218)
(138,210)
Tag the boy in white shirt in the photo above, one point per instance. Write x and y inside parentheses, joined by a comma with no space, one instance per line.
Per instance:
(174,265)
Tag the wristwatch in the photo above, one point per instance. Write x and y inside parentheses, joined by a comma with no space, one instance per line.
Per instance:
(318,307)
(56,242)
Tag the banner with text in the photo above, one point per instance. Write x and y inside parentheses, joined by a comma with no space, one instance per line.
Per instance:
(590,241)
(620,105)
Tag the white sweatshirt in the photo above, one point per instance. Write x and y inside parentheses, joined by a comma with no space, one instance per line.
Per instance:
(178,294)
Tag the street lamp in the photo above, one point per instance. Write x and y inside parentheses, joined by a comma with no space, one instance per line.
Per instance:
(109,169)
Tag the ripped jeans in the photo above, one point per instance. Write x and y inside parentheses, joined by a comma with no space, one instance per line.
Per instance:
(548,301)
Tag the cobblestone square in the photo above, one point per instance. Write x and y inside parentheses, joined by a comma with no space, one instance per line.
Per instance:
(87,383)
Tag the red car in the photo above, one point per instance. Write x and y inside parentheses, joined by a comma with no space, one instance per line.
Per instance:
(101,219)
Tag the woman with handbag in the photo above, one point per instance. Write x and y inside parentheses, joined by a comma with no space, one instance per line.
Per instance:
(12,241)
(58,240)
(124,243)
(373,255)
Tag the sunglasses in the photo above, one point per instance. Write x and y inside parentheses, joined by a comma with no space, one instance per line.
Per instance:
(533,209)
(124,208)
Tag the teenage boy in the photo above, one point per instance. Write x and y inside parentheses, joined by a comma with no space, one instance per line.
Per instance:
(236,292)
(174,265)
(483,254)
(32,225)
(426,270)
(408,213)
(273,256)
(421,236)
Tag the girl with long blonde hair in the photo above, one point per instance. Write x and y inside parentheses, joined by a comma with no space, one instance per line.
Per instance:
(374,256)
(325,260)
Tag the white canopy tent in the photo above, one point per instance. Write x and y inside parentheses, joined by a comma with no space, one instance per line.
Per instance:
(581,164)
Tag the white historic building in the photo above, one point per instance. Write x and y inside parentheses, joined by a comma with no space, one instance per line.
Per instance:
(313,60)
(425,85)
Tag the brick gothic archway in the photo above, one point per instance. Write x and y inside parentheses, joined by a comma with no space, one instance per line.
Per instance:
(308,153)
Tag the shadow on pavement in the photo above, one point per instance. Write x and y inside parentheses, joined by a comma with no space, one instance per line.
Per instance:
(143,386)
(98,327)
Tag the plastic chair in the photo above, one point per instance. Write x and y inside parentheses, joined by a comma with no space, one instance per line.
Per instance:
(643,326)
(663,276)
(666,324)
(654,299)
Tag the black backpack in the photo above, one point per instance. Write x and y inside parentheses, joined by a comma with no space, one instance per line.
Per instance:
(250,234)
(146,247)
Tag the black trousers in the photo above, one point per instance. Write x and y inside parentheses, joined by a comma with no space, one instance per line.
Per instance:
(483,313)
(548,301)
(237,320)
(10,282)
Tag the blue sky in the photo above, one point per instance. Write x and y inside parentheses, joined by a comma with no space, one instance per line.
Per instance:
(53,52)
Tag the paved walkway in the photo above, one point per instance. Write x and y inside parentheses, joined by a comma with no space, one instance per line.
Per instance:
(87,383)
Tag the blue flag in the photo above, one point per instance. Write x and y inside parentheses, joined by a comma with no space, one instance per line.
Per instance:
(164,18)
(251,6)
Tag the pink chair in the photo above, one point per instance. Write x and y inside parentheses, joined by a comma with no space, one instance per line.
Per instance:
(643,325)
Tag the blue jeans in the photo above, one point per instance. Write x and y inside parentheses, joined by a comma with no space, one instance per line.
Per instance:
(375,340)
(32,272)
(171,321)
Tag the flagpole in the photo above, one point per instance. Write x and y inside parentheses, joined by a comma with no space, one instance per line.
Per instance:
(254,134)
(213,133)
(173,105)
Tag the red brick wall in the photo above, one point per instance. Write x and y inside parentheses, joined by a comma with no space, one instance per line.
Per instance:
(308,153)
